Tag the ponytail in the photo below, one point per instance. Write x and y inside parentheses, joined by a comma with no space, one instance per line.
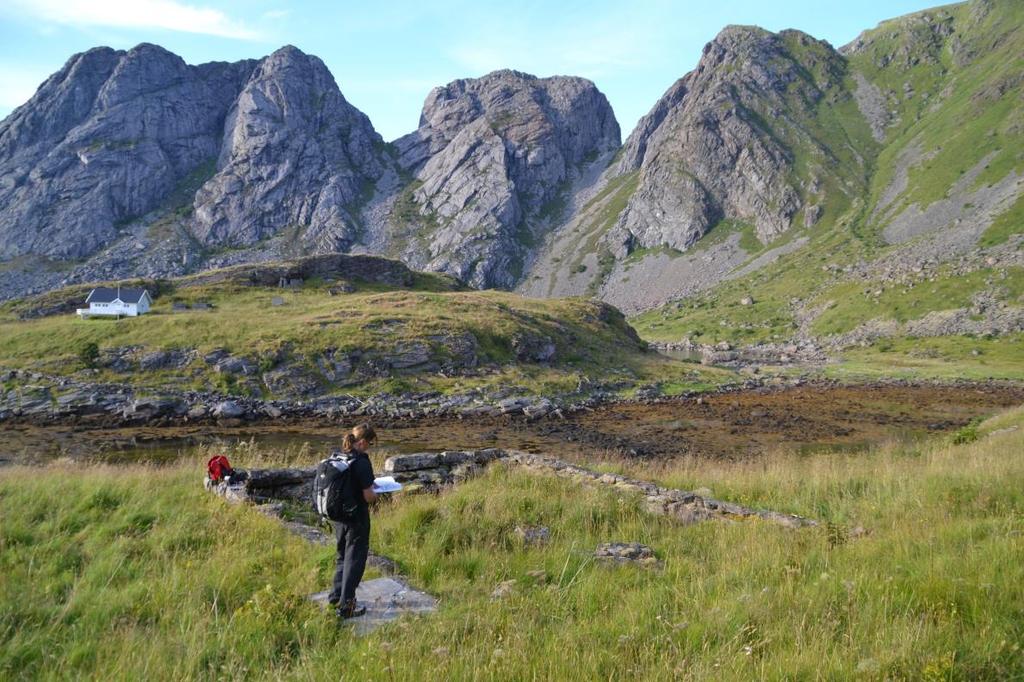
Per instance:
(360,432)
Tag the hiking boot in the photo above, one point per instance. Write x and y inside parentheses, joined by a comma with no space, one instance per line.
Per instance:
(350,609)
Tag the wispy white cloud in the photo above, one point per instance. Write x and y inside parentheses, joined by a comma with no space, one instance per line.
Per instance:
(160,14)
(17,84)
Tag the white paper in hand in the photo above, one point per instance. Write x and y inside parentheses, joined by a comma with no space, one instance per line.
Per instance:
(386,484)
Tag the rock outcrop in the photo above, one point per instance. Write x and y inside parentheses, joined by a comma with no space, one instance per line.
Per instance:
(490,161)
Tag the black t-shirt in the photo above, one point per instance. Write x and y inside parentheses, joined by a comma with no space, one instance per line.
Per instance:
(361,475)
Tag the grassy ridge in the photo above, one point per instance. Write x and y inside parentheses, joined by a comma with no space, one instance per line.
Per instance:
(139,574)
(591,339)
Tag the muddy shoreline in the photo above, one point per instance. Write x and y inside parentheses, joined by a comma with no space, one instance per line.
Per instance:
(732,423)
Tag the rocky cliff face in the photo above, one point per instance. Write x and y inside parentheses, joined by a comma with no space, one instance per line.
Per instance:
(737,139)
(270,144)
(128,154)
(103,141)
(489,163)
(294,153)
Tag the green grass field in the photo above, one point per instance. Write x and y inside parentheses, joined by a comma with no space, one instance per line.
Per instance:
(137,573)
(941,358)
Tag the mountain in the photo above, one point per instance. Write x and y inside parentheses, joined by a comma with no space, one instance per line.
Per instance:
(103,141)
(744,137)
(763,138)
(134,163)
(788,191)
(137,164)
(931,248)
(491,160)
(293,153)
(782,190)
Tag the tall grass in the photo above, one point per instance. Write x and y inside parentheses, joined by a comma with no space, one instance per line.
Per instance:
(139,574)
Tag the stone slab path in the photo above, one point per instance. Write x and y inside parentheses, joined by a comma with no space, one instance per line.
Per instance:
(385,599)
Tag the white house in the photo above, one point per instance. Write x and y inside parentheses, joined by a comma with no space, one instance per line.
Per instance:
(119,301)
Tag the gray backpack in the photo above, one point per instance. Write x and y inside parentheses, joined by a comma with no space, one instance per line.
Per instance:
(332,489)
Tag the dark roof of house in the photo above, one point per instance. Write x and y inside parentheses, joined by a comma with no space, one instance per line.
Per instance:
(110,294)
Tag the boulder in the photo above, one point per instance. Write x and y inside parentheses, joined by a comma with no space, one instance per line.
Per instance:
(533,536)
(625,552)
(460,350)
(149,407)
(215,356)
(538,408)
(335,365)
(465,471)
(235,365)
(504,589)
(164,359)
(290,381)
(198,411)
(452,458)
(401,463)
(408,355)
(228,409)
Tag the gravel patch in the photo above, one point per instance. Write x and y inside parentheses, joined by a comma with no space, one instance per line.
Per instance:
(872,105)
(962,217)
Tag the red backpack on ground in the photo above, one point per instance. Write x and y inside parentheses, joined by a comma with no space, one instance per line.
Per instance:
(219,468)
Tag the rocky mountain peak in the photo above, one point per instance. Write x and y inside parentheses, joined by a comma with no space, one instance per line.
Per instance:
(489,155)
(295,153)
(142,70)
(721,143)
(62,101)
(291,58)
(736,38)
(104,141)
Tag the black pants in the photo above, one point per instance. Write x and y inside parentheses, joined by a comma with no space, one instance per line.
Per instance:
(353,546)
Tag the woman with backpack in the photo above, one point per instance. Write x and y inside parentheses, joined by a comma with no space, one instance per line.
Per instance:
(353,533)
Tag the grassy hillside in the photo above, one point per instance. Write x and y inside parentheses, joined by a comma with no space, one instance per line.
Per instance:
(951,82)
(137,573)
(376,327)
(952,76)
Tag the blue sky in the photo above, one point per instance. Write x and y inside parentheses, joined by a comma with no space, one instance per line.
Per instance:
(386,56)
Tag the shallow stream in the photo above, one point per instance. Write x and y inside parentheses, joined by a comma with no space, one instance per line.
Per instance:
(735,425)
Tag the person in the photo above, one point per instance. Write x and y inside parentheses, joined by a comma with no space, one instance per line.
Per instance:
(353,536)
